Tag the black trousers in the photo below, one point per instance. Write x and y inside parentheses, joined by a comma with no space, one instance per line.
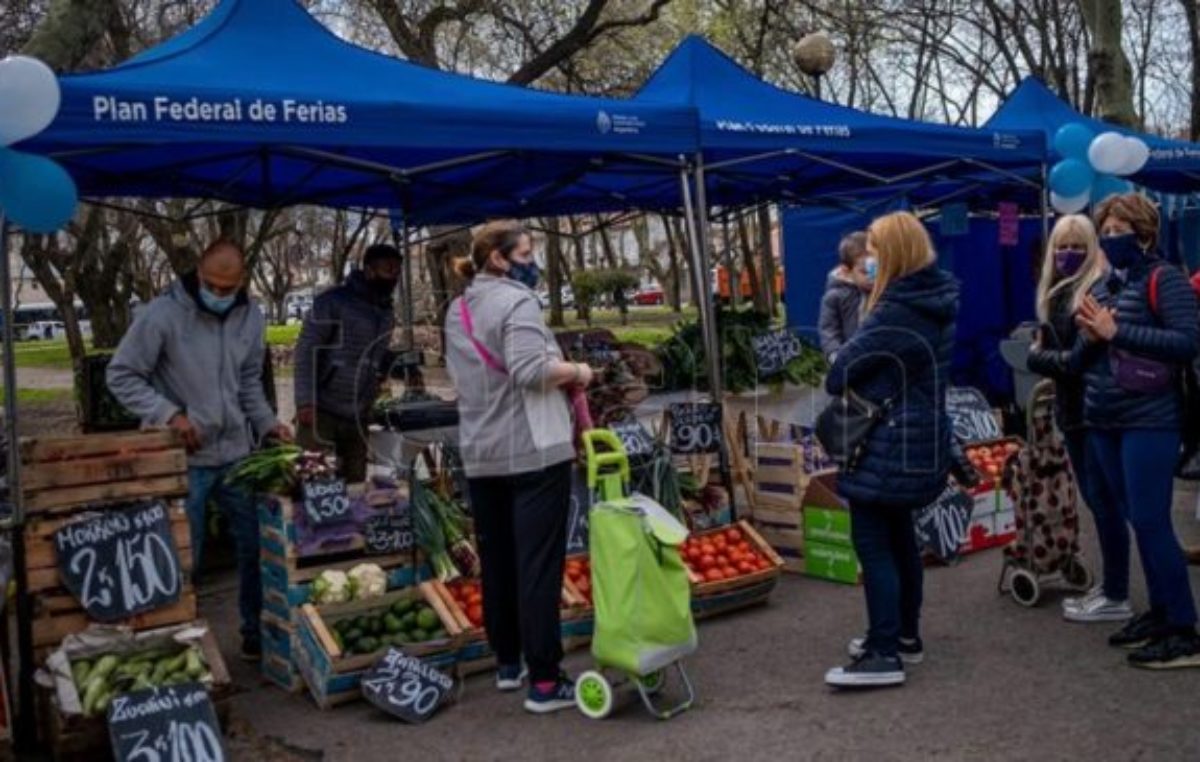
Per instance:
(521,525)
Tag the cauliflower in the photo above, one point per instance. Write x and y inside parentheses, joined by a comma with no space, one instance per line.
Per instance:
(331,586)
(368,581)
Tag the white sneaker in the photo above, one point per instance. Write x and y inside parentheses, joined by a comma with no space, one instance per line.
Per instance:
(867,671)
(511,678)
(1076,602)
(1099,609)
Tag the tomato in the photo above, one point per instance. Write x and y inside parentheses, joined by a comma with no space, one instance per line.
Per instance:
(583,584)
(733,535)
(707,549)
(719,542)
(714,575)
(729,572)
(744,547)
(746,567)
(475,614)
(707,562)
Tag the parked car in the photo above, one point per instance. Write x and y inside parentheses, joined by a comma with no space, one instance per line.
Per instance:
(649,296)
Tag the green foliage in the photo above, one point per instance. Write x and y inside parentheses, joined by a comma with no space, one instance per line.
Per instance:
(589,285)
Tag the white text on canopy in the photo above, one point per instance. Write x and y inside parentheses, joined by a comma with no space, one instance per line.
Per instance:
(161,108)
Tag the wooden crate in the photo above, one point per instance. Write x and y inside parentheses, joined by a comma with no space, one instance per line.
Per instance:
(787,543)
(287,583)
(278,665)
(60,474)
(574,608)
(779,483)
(702,588)
(707,606)
(332,676)
(281,535)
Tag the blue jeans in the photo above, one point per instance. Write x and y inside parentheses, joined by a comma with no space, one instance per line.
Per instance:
(1135,468)
(241,511)
(893,575)
(1111,530)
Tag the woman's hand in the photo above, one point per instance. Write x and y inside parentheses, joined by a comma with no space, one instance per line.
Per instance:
(1098,322)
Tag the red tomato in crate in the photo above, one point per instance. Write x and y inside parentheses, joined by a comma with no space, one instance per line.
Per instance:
(733,535)
(714,575)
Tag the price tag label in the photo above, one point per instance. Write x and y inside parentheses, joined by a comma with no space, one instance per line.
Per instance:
(170,724)
(774,350)
(389,533)
(695,428)
(971,415)
(942,526)
(577,517)
(633,435)
(326,502)
(406,687)
(121,562)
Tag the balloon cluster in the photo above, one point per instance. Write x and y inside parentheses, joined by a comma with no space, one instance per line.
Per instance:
(1093,167)
(35,192)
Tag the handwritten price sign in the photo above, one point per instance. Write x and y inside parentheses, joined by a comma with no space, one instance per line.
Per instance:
(120,563)
(172,724)
(695,428)
(406,687)
(326,502)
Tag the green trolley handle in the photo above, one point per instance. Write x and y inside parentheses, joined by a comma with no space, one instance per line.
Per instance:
(607,464)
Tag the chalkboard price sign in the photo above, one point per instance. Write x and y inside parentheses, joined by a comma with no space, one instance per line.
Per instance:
(971,415)
(774,350)
(390,532)
(695,428)
(326,502)
(170,724)
(577,517)
(406,687)
(942,525)
(120,562)
(633,435)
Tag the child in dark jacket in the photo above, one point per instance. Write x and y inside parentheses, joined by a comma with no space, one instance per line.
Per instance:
(899,359)
(1139,331)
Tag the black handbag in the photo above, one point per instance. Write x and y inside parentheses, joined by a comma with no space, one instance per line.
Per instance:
(844,425)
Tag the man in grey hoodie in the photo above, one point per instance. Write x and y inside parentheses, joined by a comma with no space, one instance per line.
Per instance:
(192,360)
(842,304)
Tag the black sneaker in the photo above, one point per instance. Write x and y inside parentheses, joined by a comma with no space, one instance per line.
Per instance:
(1176,651)
(868,671)
(510,677)
(251,650)
(560,696)
(1141,631)
(911,650)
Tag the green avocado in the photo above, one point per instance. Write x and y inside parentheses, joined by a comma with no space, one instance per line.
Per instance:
(409,620)
(352,635)
(402,606)
(427,619)
(418,636)
(391,623)
(367,645)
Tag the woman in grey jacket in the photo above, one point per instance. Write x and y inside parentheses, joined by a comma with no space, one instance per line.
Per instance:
(516,440)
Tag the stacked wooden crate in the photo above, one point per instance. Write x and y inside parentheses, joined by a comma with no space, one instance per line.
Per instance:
(65,477)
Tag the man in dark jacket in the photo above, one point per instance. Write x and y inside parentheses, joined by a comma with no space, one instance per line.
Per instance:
(841,306)
(341,358)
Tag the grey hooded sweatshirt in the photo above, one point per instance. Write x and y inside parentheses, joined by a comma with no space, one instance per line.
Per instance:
(180,357)
(841,310)
(511,421)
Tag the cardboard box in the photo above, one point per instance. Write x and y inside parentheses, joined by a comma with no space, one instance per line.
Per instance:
(826,517)
(835,563)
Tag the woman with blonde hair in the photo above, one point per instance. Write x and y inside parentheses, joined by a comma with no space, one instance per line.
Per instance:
(515,437)
(1072,266)
(898,361)
(1138,333)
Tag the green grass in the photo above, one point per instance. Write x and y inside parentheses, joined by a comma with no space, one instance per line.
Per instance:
(42,396)
(285,335)
(647,325)
(43,354)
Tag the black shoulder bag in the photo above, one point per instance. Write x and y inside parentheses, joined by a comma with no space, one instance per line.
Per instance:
(844,425)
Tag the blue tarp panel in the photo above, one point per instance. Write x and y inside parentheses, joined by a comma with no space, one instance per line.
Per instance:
(802,148)
(260,104)
(998,283)
(1174,165)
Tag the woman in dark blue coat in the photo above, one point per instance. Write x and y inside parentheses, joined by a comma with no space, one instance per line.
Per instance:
(900,359)
(1139,332)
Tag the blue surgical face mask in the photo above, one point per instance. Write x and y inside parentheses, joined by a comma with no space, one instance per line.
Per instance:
(524,272)
(1123,251)
(218,304)
(871,267)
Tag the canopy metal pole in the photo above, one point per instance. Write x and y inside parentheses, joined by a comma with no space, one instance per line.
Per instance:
(23,713)
(1042,197)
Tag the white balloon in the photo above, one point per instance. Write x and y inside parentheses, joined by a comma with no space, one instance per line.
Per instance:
(29,98)
(1135,154)
(1070,204)
(1106,153)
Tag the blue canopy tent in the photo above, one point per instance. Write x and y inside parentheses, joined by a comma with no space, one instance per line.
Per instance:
(261,105)
(761,143)
(1173,167)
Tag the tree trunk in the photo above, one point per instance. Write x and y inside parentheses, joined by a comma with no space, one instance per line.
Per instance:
(768,257)
(685,257)
(751,267)
(606,246)
(1109,65)
(1191,9)
(554,271)
(672,287)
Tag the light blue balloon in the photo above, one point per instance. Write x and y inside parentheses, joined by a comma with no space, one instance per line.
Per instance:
(35,192)
(1072,141)
(1108,185)
(1070,177)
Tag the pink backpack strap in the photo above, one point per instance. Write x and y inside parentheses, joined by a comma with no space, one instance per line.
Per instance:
(469,327)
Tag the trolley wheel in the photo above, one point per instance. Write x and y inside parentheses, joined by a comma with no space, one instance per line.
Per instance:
(594,695)
(653,683)
(1024,587)
(1077,575)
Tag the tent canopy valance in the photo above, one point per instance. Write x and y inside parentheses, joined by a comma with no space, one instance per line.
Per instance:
(761,142)
(1173,167)
(259,104)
